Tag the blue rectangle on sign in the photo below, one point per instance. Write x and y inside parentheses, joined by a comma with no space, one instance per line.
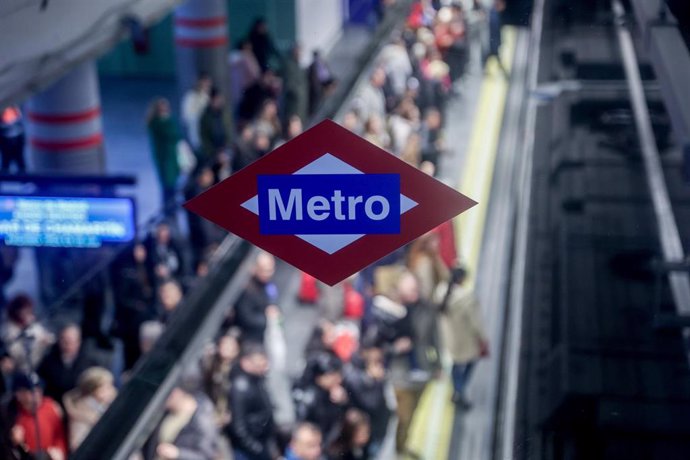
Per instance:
(329,204)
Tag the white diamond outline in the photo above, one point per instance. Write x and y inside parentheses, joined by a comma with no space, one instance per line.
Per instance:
(329,164)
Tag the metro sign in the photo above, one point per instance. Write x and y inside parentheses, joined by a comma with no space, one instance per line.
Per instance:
(329,202)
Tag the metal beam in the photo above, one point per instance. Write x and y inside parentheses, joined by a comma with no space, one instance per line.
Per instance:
(670,58)
(671,245)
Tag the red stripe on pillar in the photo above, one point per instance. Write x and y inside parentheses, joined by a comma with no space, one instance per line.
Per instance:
(201,22)
(65,117)
(201,42)
(69,144)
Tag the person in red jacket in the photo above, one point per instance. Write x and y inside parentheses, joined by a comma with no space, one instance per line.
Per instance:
(38,420)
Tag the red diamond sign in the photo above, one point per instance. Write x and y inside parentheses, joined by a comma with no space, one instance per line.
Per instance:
(329,202)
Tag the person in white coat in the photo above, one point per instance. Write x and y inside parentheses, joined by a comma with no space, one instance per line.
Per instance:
(463,332)
(194,103)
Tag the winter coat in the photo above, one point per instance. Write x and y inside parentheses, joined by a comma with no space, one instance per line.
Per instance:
(83,412)
(59,377)
(368,395)
(50,426)
(197,440)
(214,131)
(250,311)
(164,135)
(313,404)
(419,322)
(461,324)
(296,89)
(252,429)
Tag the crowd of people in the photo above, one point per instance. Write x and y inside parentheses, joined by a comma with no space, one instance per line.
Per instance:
(382,336)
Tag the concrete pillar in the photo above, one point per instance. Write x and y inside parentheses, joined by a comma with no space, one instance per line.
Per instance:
(201,39)
(64,125)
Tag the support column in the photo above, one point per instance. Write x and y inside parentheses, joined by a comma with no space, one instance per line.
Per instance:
(64,125)
(201,39)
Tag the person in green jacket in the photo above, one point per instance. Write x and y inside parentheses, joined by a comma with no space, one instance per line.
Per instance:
(164,135)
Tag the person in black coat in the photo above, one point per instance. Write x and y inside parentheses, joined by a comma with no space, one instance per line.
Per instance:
(165,255)
(262,44)
(320,397)
(365,380)
(252,430)
(62,366)
(256,303)
(133,282)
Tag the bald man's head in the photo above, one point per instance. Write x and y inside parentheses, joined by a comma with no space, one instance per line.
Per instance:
(306,442)
(265,267)
(408,288)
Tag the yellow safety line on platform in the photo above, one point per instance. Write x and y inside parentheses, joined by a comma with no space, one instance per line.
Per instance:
(431,428)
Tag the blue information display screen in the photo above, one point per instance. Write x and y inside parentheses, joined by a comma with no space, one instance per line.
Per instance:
(329,204)
(66,222)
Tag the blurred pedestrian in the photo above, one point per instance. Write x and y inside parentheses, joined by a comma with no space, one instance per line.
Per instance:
(267,87)
(320,397)
(217,370)
(495,25)
(396,62)
(365,381)
(425,262)
(242,149)
(37,422)
(86,403)
(25,338)
(133,290)
(321,81)
(413,344)
(431,136)
(12,139)
(62,366)
(262,43)
(252,429)
(164,136)
(165,255)
(169,298)
(268,122)
(371,96)
(215,128)
(257,301)
(305,443)
(463,332)
(375,132)
(355,435)
(202,232)
(187,430)
(296,86)
(194,103)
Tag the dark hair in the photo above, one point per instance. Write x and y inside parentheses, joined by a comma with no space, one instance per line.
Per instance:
(458,274)
(17,304)
(251,348)
(21,381)
(321,363)
(353,419)
(215,91)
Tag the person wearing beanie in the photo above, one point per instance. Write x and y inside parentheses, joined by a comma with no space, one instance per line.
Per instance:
(37,420)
